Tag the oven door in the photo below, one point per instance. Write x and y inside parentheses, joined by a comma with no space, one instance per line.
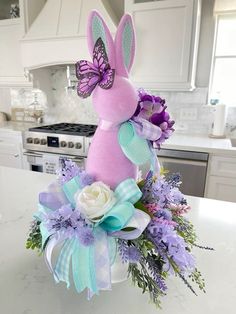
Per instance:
(49,163)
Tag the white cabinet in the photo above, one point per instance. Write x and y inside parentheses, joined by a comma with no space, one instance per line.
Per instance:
(11,32)
(222,188)
(167,40)
(11,150)
(221,180)
(11,69)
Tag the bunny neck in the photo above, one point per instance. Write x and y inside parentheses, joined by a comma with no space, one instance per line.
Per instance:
(106,125)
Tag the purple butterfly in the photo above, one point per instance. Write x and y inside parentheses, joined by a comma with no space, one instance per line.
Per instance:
(99,72)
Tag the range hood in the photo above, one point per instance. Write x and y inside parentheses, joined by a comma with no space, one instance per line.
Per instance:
(58,34)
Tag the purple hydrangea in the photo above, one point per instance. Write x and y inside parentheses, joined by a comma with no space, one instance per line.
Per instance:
(86,236)
(153,109)
(69,222)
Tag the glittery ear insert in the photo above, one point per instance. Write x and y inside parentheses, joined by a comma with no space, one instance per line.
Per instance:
(98,30)
(125,46)
(127,42)
(134,147)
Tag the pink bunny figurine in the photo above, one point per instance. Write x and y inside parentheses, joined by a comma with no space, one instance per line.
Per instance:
(115,105)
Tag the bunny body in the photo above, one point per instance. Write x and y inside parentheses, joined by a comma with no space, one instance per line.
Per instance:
(106,160)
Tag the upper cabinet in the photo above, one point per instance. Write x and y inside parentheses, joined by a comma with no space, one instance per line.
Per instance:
(14,21)
(167,42)
(11,30)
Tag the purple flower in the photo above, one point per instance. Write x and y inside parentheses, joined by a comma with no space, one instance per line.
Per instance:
(164,214)
(153,109)
(129,254)
(85,179)
(86,236)
(134,254)
(123,249)
(68,171)
(170,246)
(155,270)
(69,222)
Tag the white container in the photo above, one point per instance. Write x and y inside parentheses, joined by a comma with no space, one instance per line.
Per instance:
(220,115)
(119,270)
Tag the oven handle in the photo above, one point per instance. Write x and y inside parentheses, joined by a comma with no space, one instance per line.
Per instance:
(33,154)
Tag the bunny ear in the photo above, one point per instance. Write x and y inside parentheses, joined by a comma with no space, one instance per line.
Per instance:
(97,28)
(125,46)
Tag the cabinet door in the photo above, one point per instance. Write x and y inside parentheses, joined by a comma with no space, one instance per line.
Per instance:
(221,188)
(10,155)
(167,39)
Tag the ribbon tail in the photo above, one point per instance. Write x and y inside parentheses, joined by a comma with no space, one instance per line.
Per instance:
(138,223)
(54,241)
(62,269)
(83,268)
(155,164)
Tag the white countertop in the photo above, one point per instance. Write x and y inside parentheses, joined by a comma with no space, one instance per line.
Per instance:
(17,127)
(200,143)
(27,287)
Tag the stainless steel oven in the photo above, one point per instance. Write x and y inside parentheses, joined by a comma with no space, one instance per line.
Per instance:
(46,145)
(192,167)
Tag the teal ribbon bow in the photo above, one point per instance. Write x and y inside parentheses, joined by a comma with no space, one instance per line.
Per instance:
(91,264)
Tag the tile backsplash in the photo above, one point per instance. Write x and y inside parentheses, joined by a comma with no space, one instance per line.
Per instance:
(68,106)
(188,109)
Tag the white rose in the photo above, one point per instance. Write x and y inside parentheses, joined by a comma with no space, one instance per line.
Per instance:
(95,200)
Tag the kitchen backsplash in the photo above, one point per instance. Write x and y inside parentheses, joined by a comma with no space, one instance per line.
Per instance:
(188,109)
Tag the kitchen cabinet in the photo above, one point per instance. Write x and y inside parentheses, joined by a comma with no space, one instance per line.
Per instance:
(167,35)
(11,150)
(12,72)
(221,179)
(11,31)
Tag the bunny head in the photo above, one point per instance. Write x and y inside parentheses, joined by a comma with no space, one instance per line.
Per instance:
(118,102)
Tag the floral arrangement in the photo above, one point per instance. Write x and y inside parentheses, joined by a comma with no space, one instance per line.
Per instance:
(143,222)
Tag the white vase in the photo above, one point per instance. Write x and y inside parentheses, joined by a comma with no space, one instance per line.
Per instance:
(119,270)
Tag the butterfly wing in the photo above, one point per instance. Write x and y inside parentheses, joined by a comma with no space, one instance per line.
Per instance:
(84,67)
(86,84)
(108,79)
(100,59)
(99,72)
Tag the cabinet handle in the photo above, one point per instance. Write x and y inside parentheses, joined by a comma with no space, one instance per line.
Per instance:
(16,155)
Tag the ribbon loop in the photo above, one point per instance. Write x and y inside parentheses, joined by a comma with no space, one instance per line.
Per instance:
(118,217)
(146,129)
(128,191)
(70,188)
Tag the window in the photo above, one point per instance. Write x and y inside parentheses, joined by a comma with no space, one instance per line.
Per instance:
(223,76)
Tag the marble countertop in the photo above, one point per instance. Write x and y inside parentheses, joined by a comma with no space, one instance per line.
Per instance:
(27,287)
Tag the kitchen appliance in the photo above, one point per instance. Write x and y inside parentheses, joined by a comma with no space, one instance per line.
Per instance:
(45,145)
(192,166)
